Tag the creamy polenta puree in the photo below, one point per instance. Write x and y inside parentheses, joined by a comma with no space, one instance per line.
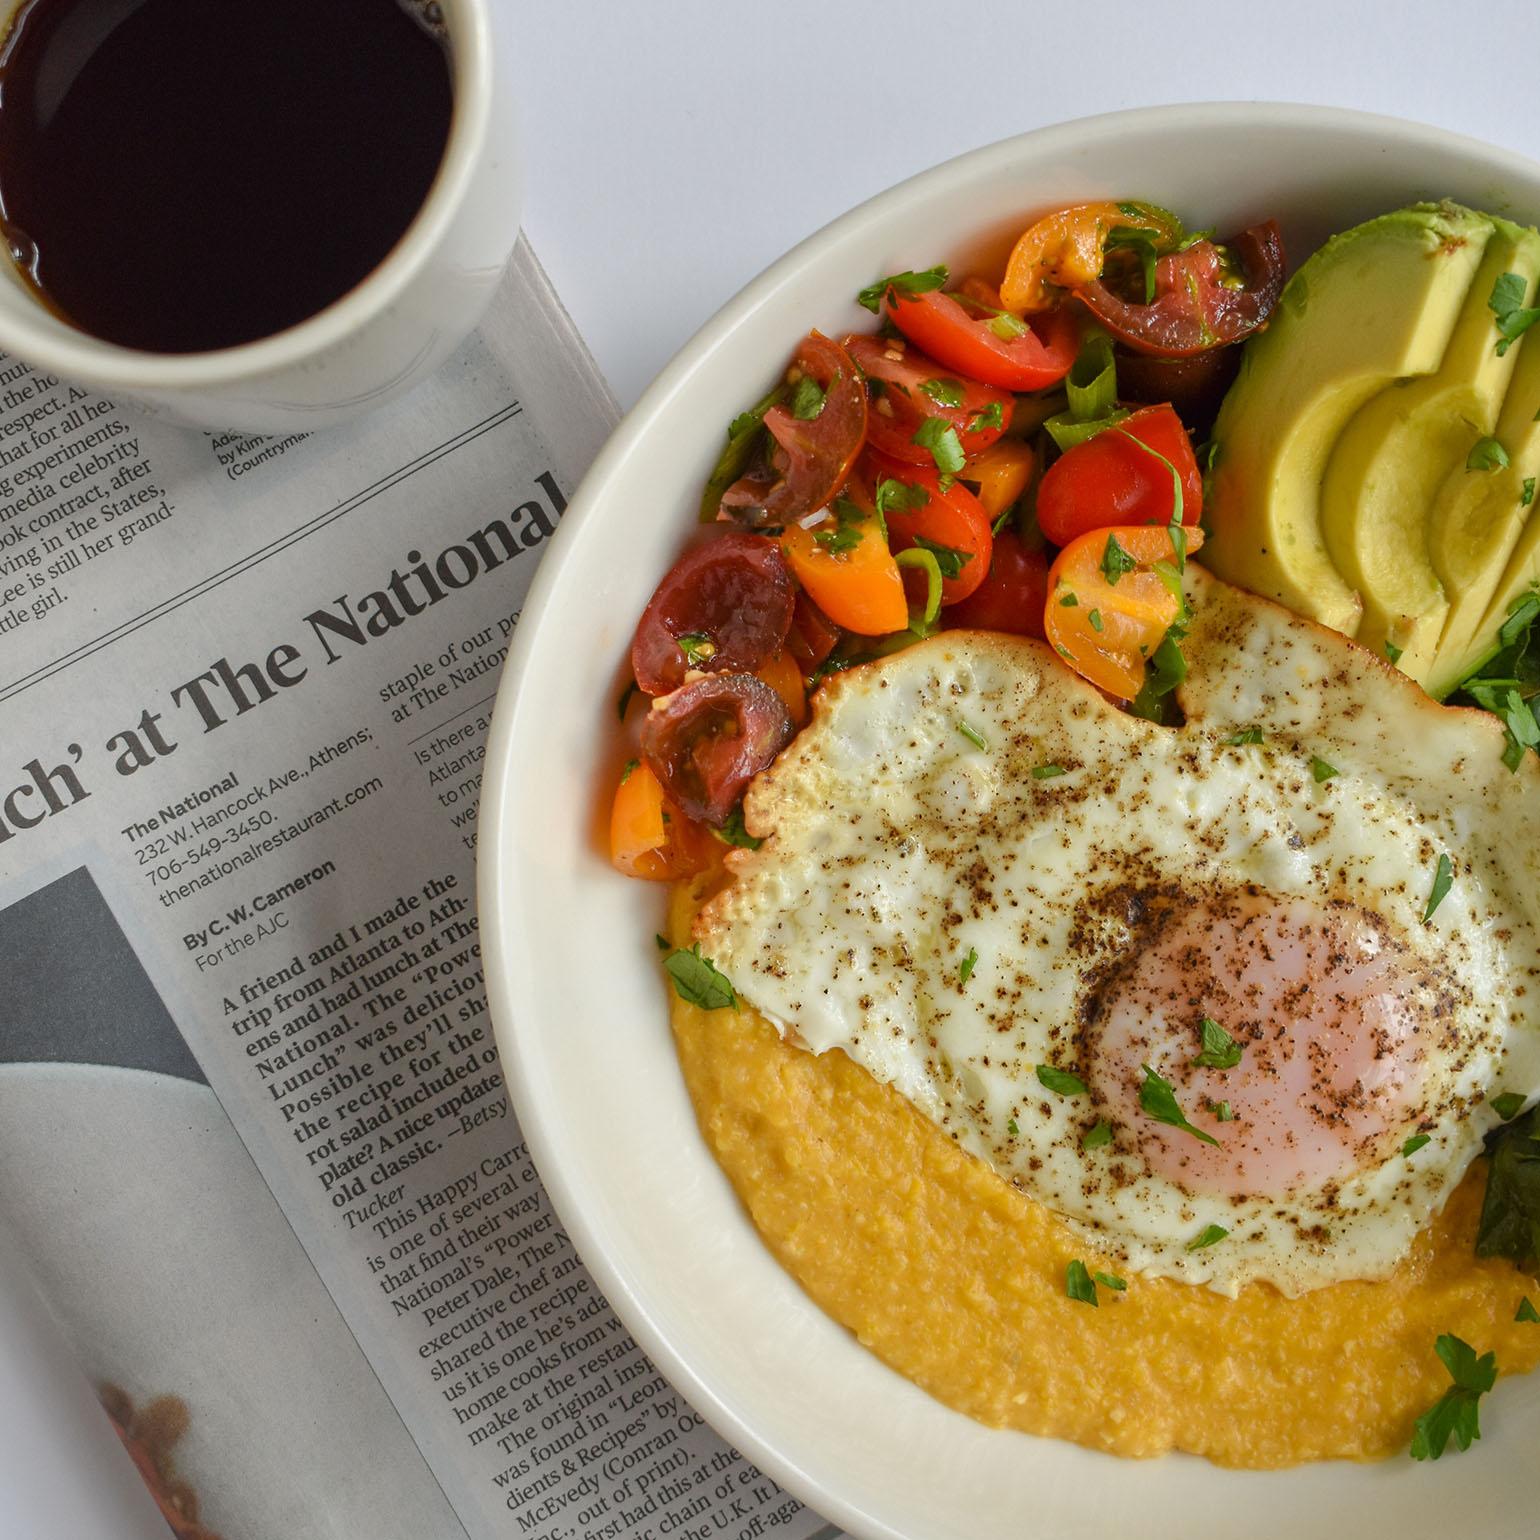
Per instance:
(957,1279)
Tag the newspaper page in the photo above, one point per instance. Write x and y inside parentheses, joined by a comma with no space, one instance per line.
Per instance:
(254,1140)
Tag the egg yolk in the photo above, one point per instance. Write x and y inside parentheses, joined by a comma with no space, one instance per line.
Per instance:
(1334,1021)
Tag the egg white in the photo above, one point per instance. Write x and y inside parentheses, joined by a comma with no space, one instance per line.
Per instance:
(943,915)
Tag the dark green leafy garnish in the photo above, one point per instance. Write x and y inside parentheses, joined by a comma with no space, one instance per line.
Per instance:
(697,981)
(744,436)
(1527,1312)
(1211,1236)
(1098,1134)
(1246,738)
(949,560)
(1116,562)
(938,436)
(895,496)
(1415,1143)
(1443,880)
(733,832)
(1508,682)
(1507,1105)
(992,416)
(1321,770)
(943,392)
(1223,1112)
(849,516)
(1046,772)
(1486,455)
(905,283)
(1158,1102)
(697,647)
(1077,1283)
(1110,1281)
(1060,1081)
(1510,1212)
(968,964)
(1454,1414)
(807,398)
(1220,1050)
(1507,304)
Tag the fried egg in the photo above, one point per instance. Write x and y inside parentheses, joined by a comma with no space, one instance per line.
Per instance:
(1233,998)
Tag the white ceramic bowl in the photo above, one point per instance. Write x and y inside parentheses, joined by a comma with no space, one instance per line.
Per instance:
(578,998)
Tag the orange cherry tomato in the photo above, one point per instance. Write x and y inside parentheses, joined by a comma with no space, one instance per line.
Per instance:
(1003,474)
(1108,608)
(649,836)
(857,586)
(782,673)
(1114,478)
(1067,249)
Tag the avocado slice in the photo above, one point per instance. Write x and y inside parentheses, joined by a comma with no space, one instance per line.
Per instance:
(1394,456)
(1479,523)
(1375,304)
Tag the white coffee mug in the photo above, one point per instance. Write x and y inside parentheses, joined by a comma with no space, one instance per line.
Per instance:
(382,337)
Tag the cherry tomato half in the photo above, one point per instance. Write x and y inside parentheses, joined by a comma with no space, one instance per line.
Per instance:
(850,573)
(1199,302)
(910,390)
(726,606)
(949,519)
(813,454)
(1107,608)
(996,348)
(649,837)
(1067,249)
(705,742)
(1113,478)
(1012,596)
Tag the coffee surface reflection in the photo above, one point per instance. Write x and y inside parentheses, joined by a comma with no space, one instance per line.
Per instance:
(183,175)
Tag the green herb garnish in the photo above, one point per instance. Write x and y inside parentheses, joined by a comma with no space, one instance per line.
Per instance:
(945,392)
(733,832)
(1220,1050)
(1508,1105)
(1527,1312)
(1060,1081)
(807,398)
(949,560)
(1116,562)
(1321,770)
(1486,455)
(1157,1099)
(1211,1236)
(1415,1143)
(1077,1283)
(1246,738)
(973,735)
(904,283)
(697,647)
(1046,772)
(1510,1212)
(968,964)
(1507,304)
(940,438)
(1454,1414)
(1096,1135)
(1443,880)
(697,980)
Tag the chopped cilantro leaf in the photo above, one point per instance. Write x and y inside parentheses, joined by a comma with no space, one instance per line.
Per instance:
(807,399)
(733,832)
(949,560)
(1116,562)
(1158,1101)
(697,648)
(1510,1212)
(1060,1081)
(1068,602)
(1508,1105)
(1321,770)
(1223,1112)
(1011,1128)
(1454,1415)
(1415,1143)
(1095,617)
(905,283)
(992,416)
(1527,496)
(938,436)
(1098,1134)
(663,943)
(1486,455)
(1211,1236)
(1507,304)
(625,774)
(973,735)
(968,964)
(1220,1050)
(1077,1283)
(697,981)
(943,392)
(1110,1281)
(894,496)
(1247,737)
(1046,772)
(1443,880)
(1527,1312)
(1393,652)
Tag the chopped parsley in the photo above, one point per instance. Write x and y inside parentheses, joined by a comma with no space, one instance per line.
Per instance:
(1078,1284)
(1011,1128)
(733,832)
(697,981)
(1046,772)
(1415,1143)
(1393,652)
(1095,617)
(1443,880)
(973,735)
(1510,1212)
(1060,1081)
(697,648)
(1116,562)
(1321,770)
(1507,304)
(1157,1100)
(1486,455)
(1245,738)
(629,766)
(949,560)
(1527,1312)
(1223,1112)
(1110,1280)
(1527,496)
(945,392)
(940,438)
(1098,1134)
(1211,1236)
(1508,1105)
(903,283)
(1220,1050)
(894,496)
(807,398)
(992,416)
(968,964)
(1454,1415)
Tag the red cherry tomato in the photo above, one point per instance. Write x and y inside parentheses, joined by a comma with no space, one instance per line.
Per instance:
(813,455)
(705,742)
(1197,303)
(907,390)
(950,519)
(726,606)
(1012,596)
(1111,480)
(993,347)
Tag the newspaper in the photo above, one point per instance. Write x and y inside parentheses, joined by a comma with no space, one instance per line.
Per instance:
(254,1142)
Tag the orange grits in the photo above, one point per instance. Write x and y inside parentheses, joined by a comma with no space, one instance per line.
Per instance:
(957,1279)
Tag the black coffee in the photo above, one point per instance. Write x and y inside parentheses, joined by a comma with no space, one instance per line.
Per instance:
(179,175)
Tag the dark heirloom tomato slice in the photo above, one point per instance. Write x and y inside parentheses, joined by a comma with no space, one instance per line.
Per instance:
(813,455)
(908,388)
(995,348)
(1197,303)
(706,741)
(725,606)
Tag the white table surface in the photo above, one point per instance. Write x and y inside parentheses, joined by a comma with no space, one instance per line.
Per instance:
(674,148)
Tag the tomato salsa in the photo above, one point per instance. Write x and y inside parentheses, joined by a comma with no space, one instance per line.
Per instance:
(1013,451)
